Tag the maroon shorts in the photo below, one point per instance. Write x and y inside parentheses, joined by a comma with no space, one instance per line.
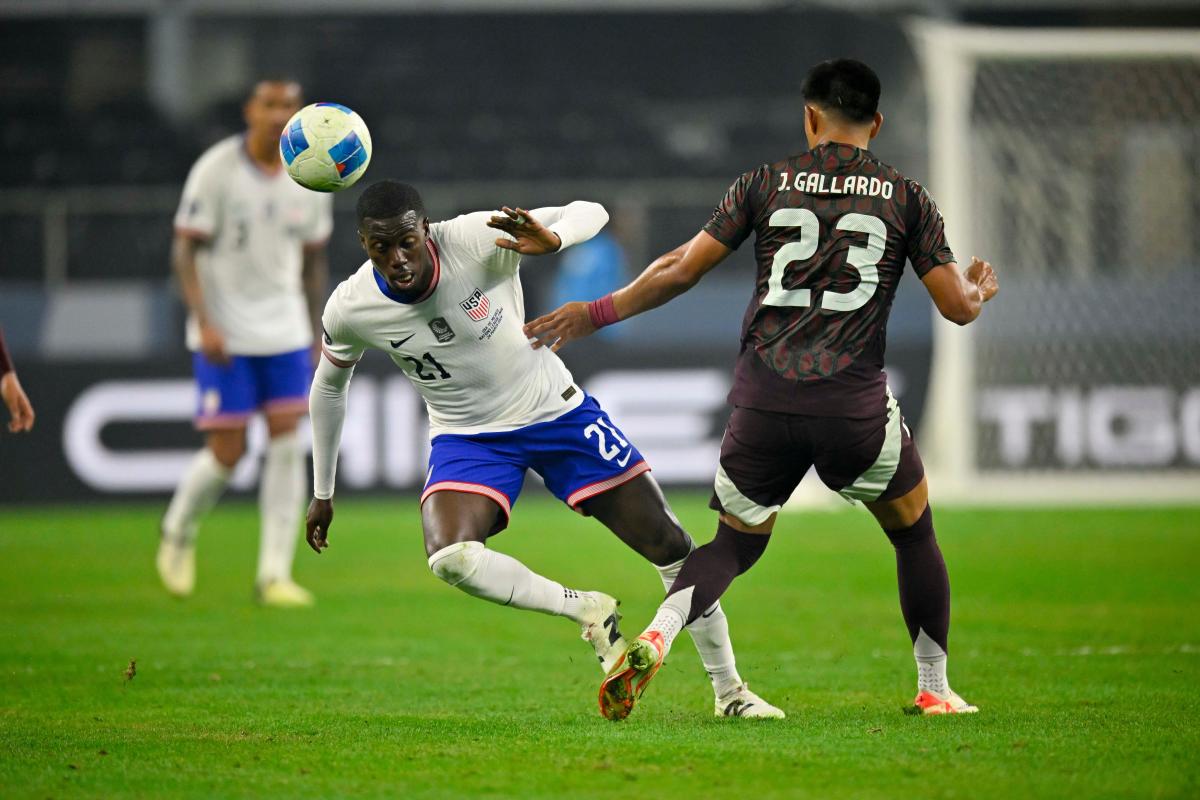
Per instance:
(765,454)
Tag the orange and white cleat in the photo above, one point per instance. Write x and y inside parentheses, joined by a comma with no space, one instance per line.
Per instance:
(931,702)
(627,680)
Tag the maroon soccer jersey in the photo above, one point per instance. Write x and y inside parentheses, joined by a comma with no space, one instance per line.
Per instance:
(833,228)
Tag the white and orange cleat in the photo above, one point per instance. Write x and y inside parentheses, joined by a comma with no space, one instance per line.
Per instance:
(948,702)
(628,678)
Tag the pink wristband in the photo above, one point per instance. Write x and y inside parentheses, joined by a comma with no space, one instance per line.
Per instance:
(602,312)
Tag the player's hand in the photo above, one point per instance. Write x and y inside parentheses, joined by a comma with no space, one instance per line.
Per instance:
(553,330)
(317,522)
(982,275)
(212,344)
(532,237)
(19,407)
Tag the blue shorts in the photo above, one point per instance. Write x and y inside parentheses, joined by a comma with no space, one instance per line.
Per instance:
(228,394)
(579,455)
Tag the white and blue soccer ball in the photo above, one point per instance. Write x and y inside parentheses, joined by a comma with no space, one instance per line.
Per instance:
(326,147)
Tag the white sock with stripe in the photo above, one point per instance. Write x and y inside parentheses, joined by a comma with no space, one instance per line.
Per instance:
(498,578)
(710,634)
(198,491)
(280,495)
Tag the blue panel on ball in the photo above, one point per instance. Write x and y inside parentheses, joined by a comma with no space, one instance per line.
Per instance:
(293,142)
(348,154)
(338,106)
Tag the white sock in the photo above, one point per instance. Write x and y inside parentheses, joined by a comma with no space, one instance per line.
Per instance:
(671,616)
(502,579)
(280,494)
(710,634)
(931,664)
(198,490)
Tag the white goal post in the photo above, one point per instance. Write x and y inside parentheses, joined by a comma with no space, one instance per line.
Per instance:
(1070,159)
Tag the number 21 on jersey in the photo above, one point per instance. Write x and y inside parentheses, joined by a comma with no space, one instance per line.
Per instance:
(862,258)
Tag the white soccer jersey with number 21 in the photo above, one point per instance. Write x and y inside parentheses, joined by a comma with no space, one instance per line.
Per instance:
(462,345)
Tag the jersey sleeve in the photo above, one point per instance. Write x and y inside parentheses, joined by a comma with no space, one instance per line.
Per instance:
(927,245)
(199,208)
(573,223)
(733,219)
(321,223)
(469,235)
(339,341)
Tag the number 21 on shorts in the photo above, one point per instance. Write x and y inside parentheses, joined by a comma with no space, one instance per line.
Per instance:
(596,431)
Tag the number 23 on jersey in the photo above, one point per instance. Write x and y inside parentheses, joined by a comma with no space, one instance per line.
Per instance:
(864,259)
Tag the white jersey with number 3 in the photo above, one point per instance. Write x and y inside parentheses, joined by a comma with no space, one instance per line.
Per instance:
(461,343)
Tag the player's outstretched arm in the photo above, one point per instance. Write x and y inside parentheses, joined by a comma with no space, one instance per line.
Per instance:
(327,411)
(667,277)
(959,296)
(549,229)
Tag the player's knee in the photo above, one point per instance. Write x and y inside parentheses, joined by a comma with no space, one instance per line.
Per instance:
(227,449)
(746,548)
(458,562)
(916,531)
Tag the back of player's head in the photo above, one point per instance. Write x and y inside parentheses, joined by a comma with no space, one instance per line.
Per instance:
(844,86)
(387,199)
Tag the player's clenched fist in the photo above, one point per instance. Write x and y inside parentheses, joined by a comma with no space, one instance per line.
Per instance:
(982,275)
(317,522)
(553,330)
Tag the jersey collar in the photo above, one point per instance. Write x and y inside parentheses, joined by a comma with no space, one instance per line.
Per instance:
(407,298)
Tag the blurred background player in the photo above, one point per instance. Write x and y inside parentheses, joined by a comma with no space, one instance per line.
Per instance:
(834,226)
(20,411)
(444,301)
(249,254)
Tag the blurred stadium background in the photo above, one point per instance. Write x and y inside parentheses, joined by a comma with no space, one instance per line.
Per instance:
(1069,157)
(1061,139)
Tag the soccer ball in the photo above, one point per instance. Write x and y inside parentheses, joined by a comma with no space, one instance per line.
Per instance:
(326,147)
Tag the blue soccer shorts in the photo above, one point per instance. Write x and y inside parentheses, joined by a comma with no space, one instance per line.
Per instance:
(579,455)
(228,394)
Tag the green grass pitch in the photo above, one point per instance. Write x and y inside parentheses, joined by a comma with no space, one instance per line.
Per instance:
(1076,632)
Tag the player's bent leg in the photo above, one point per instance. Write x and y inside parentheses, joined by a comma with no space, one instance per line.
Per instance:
(456,526)
(638,513)
(280,498)
(201,486)
(705,575)
(924,595)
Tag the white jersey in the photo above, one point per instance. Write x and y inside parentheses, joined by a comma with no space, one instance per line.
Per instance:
(461,343)
(255,226)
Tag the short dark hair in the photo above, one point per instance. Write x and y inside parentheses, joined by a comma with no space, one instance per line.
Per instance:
(385,199)
(847,87)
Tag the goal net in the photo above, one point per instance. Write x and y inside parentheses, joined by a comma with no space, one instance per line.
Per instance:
(1071,161)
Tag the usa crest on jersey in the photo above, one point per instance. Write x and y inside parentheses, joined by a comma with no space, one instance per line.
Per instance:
(476,306)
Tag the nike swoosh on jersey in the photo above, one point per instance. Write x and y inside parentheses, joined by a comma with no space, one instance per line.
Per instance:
(397,342)
(625,460)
